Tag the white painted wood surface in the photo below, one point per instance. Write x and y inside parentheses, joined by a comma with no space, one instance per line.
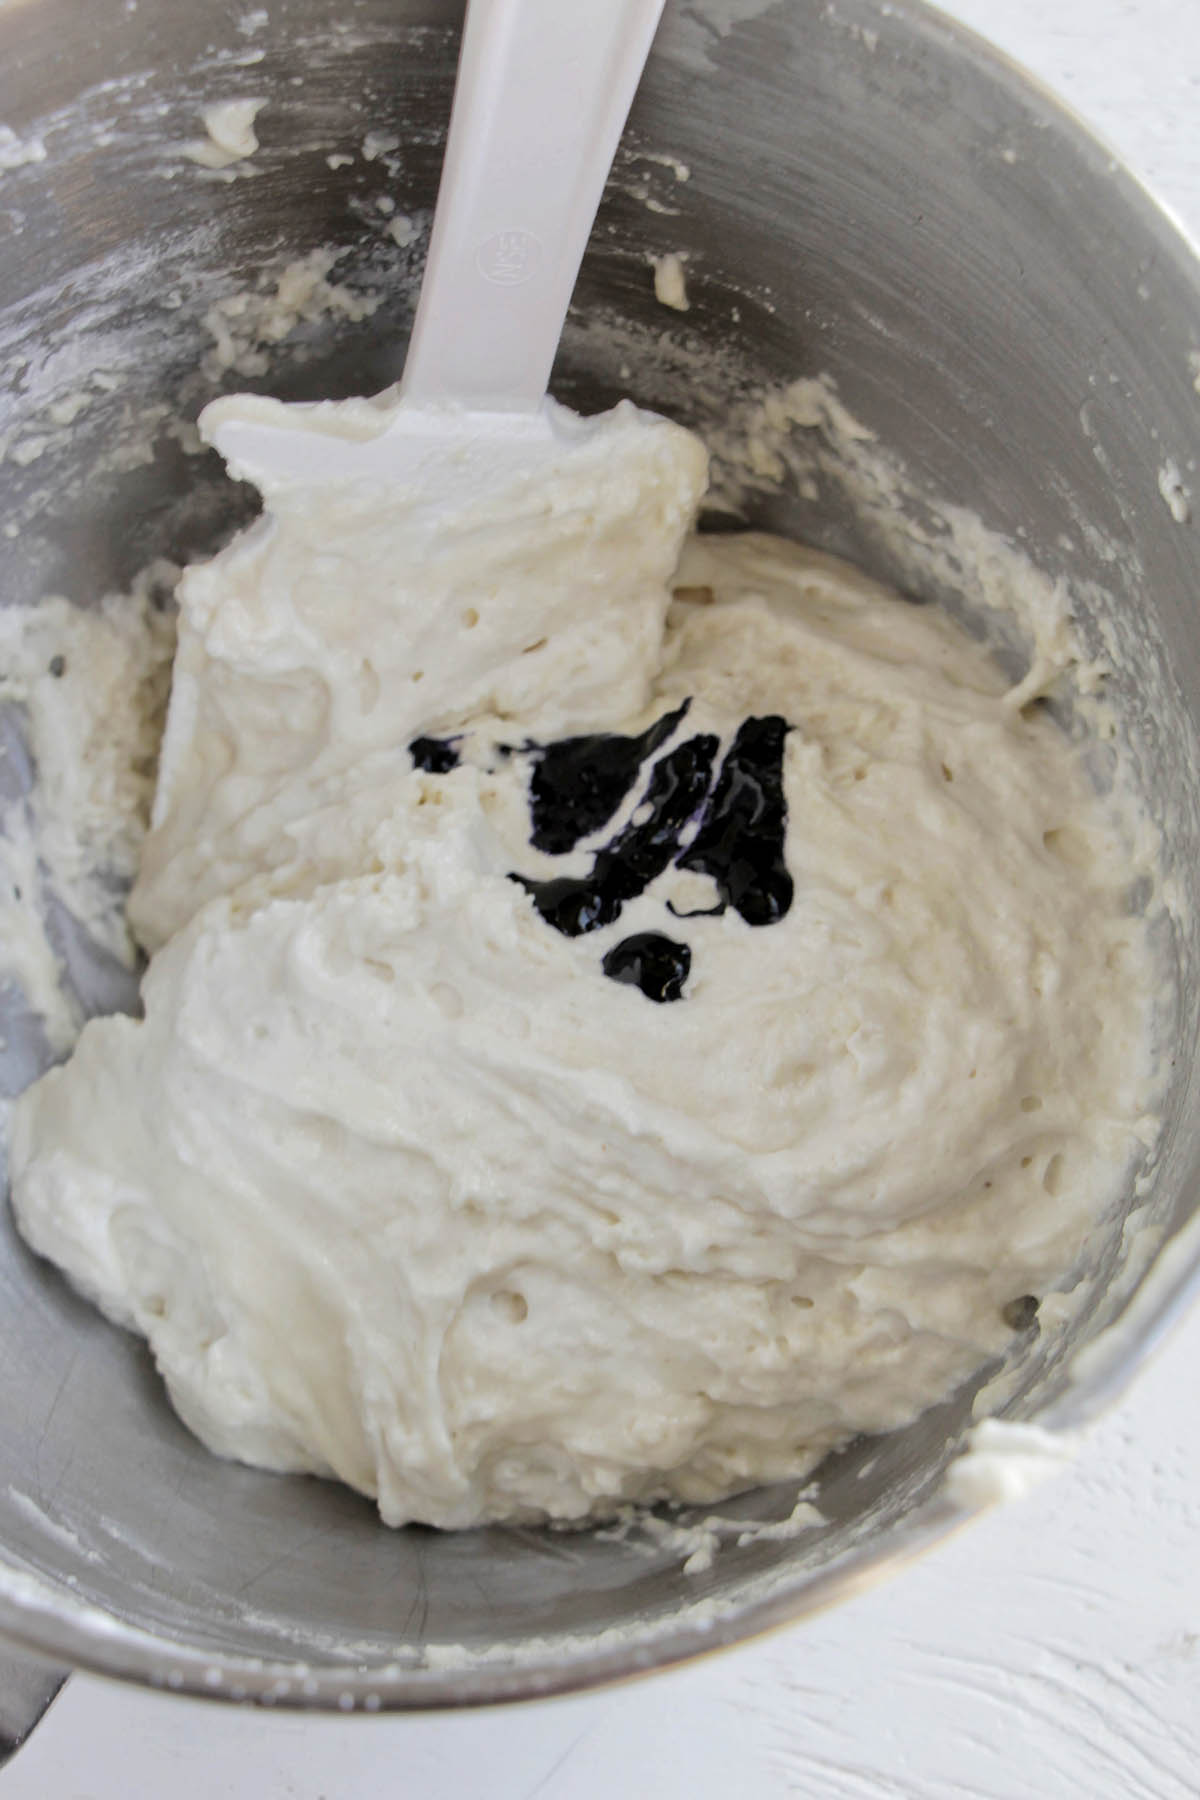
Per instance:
(1051,1652)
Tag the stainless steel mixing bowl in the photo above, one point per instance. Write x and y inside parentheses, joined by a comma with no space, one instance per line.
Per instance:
(872,195)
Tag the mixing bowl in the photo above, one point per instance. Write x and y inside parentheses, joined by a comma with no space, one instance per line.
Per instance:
(864,197)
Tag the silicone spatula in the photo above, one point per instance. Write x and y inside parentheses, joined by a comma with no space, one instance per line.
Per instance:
(541,96)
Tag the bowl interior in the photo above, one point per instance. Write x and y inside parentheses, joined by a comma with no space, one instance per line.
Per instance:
(866,199)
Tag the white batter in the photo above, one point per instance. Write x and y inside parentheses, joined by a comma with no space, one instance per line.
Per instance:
(402,1188)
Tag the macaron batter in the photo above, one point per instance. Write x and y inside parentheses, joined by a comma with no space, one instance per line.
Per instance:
(628,1010)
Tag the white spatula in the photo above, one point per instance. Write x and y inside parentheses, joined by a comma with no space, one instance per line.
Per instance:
(542,93)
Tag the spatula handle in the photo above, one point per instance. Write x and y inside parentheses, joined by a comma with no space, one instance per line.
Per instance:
(542,93)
